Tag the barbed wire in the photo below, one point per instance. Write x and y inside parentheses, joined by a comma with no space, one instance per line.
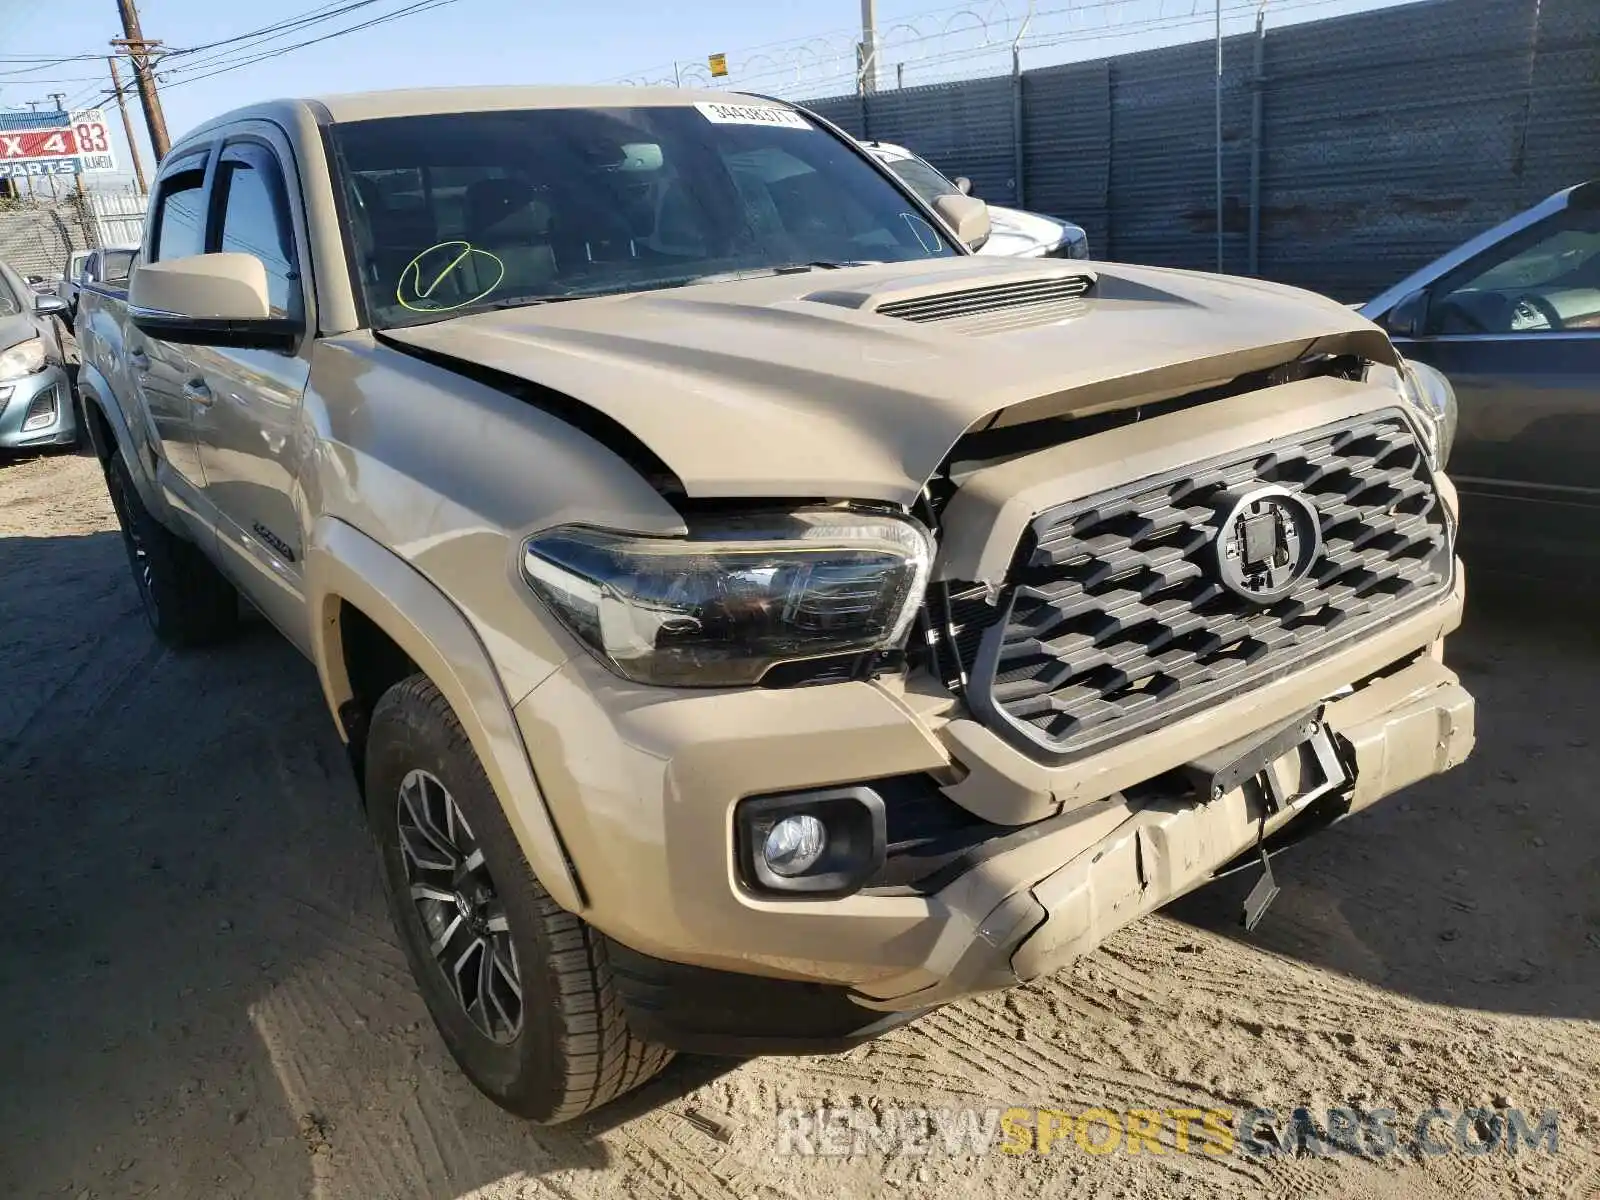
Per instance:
(961,41)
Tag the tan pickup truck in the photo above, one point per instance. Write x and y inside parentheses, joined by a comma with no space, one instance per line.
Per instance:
(754,619)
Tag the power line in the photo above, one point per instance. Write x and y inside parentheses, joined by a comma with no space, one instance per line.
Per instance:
(419,6)
(323,12)
(245,53)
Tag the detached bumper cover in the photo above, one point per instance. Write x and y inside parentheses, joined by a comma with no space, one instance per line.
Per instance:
(1415,723)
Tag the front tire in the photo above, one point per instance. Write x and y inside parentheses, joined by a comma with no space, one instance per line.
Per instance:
(186,599)
(519,988)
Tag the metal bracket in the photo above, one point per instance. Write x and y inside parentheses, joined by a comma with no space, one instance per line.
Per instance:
(1262,895)
(1225,768)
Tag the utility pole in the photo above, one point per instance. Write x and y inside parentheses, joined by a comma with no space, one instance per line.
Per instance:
(58,97)
(869,47)
(127,125)
(139,53)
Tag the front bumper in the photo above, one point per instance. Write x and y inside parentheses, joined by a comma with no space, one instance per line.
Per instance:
(37,410)
(642,784)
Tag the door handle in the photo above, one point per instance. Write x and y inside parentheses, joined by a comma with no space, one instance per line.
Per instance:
(197,391)
(140,360)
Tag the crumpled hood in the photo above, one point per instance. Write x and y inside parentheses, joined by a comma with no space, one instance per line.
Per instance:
(790,386)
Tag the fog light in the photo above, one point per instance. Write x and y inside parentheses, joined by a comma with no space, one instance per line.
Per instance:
(810,844)
(42,412)
(794,845)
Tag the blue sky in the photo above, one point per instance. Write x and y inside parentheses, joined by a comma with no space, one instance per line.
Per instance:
(792,49)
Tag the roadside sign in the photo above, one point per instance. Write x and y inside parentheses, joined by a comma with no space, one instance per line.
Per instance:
(94,140)
(54,143)
(719,65)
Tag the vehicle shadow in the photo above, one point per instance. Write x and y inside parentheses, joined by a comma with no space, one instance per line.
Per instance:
(1480,887)
(200,990)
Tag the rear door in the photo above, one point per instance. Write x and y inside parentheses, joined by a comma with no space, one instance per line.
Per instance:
(247,401)
(1517,332)
(160,372)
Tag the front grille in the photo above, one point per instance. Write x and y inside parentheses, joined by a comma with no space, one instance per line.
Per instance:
(1041,296)
(1115,617)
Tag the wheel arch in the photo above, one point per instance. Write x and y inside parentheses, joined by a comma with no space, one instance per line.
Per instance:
(352,583)
(110,433)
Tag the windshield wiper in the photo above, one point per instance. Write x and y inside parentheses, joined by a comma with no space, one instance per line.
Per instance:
(824,264)
(540,298)
(762,272)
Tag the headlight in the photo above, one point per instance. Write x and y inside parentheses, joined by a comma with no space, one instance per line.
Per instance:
(737,596)
(1074,245)
(1430,395)
(22,359)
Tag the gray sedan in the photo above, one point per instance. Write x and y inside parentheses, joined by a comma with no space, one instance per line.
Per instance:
(36,405)
(1512,318)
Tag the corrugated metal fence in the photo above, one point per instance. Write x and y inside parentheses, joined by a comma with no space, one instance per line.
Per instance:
(1385,138)
(118,217)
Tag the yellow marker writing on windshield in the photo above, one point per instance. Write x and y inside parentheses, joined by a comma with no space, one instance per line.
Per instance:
(423,294)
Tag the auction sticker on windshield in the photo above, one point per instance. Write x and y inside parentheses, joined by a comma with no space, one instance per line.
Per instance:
(752,114)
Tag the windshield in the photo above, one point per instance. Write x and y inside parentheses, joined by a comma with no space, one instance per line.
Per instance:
(467,211)
(923,179)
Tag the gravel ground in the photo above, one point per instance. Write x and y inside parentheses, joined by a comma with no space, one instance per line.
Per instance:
(201,995)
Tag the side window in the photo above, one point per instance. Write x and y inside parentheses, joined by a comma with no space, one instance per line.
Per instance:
(116,266)
(1546,279)
(255,220)
(91,269)
(180,219)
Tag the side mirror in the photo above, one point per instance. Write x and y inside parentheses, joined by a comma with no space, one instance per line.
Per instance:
(967,215)
(963,185)
(49,306)
(209,300)
(1408,318)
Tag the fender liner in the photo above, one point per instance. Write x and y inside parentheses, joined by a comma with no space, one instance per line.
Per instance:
(344,564)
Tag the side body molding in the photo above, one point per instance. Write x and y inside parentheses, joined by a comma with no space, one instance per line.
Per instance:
(344,564)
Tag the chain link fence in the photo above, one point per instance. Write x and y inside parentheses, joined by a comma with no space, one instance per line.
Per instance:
(39,234)
(1354,149)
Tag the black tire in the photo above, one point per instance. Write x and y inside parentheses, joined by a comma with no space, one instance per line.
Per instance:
(186,599)
(572,1050)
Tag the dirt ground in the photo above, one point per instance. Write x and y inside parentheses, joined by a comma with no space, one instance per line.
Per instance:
(201,996)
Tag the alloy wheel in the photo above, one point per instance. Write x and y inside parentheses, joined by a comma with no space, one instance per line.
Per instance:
(138,552)
(460,910)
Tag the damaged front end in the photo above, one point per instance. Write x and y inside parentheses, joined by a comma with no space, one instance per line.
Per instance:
(1133,608)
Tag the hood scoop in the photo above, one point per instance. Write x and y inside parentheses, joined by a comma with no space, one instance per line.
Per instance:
(1037,298)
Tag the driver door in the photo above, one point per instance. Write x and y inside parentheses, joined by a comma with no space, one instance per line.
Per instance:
(1517,332)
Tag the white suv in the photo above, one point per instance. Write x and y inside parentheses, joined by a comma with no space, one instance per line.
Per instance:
(1013,233)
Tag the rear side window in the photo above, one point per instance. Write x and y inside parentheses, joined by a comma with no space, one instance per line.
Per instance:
(116,265)
(180,219)
(255,220)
